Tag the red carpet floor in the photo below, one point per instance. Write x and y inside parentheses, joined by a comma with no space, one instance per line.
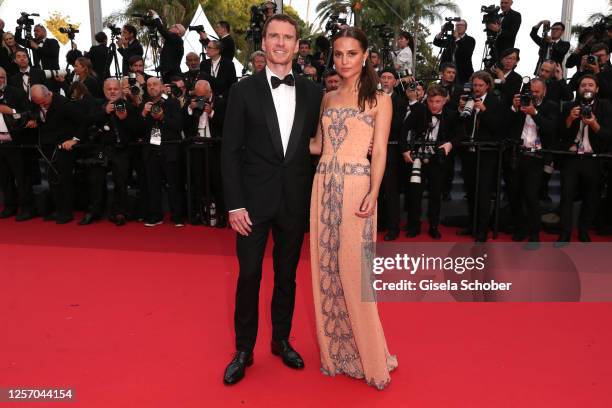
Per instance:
(137,317)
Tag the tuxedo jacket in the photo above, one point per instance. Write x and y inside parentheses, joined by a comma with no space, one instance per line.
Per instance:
(463,50)
(37,77)
(225,76)
(215,123)
(490,124)
(547,122)
(400,104)
(61,122)
(510,87)
(16,98)
(509,28)
(256,174)
(46,56)
(600,142)
(450,129)
(135,48)
(557,91)
(557,53)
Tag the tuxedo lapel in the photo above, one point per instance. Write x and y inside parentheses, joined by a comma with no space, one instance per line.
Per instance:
(267,105)
(298,119)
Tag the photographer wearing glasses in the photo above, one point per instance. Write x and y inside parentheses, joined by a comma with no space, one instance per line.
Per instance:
(597,63)
(172,51)
(532,127)
(507,80)
(129,46)
(586,128)
(15,179)
(551,47)
(228,47)
(109,127)
(45,51)
(220,72)
(459,52)
(163,124)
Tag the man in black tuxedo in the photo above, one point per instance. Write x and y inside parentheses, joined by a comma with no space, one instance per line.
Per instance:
(551,47)
(584,133)
(266,167)
(459,51)
(163,123)
(220,72)
(532,126)
(27,76)
(173,49)
(15,180)
(100,57)
(56,120)
(228,47)
(507,81)
(484,124)
(557,89)
(600,67)
(507,28)
(192,60)
(128,46)
(433,123)
(45,51)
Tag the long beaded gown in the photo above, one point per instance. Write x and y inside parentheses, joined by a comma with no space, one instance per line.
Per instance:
(349,332)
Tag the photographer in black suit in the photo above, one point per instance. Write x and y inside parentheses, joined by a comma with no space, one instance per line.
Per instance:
(57,123)
(192,60)
(45,51)
(598,64)
(128,46)
(15,180)
(551,47)
(172,51)
(99,56)
(483,123)
(27,75)
(459,52)
(507,28)
(507,80)
(532,127)
(203,119)
(110,127)
(163,123)
(586,128)
(430,123)
(220,72)
(228,47)
(557,89)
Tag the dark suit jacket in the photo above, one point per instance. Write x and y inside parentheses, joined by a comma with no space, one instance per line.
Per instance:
(192,121)
(134,48)
(100,59)
(46,56)
(61,124)
(490,125)
(547,121)
(451,129)
(462,50)
(509,28)
(399,103)
(120,133)
(600,142)
(172,51)
(16,98)
(558,50)
(557,91)
(170,128)
(256,174)
(228,46)
(37,77)
(7,62)
(226,76)
(93,85)
(511,86)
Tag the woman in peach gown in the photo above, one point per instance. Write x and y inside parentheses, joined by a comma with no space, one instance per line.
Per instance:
(354,119)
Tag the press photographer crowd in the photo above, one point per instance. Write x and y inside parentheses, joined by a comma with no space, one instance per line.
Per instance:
(508,133)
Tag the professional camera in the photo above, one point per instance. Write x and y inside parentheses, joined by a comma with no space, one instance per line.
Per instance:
(201,103)
(120,105)
(70,31)
(175,90)
(26,23)
(592,59)
(52,73)
(115,31)
(145,19)
(134,85)
(334,23)
(258,17)
(199,29)
(491,14)
(157,107)
(422,155)
(468,96)
(526,95)
(448,28)
(586,107)
(413,85)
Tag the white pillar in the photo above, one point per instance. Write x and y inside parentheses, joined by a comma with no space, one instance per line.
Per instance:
(566,18)
(95,18)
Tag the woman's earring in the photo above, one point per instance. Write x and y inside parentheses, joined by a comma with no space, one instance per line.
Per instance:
(364,62)
(334,67)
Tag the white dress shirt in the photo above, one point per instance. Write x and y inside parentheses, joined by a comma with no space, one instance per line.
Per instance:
(284,104)
(404,60)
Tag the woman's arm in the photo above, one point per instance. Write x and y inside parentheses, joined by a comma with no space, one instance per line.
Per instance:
(316,142)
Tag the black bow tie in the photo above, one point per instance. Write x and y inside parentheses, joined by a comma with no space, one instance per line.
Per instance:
(27,73)
(288,80)
(436,115)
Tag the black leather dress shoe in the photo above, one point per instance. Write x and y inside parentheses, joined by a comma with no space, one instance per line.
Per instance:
(412,232)
(50,217)
(7,213)
(24,216)
(234,372)
(564,240)
(64,219)
(290,357)
(391,235)
(87,219)
(119,220)
(583,236)
(434,233)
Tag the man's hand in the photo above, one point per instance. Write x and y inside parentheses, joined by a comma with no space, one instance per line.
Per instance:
(5,109)
(494,27)
(208,108)
(31,124)
(516,102)
(68,144)
(158,116)
(529,110)
(573,115)
(558,71)
(544,22)
(140,79)
(447,147)
(193,105)
(592,122)
(462,102)
(547,39)
(203,36)
(33,45)
(121,115)
(479,104)
(407,156)
(110,107)
(241,222)
(146,109)
(60,78)
(498,73)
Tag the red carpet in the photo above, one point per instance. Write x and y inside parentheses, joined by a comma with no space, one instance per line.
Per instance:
(137,317)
